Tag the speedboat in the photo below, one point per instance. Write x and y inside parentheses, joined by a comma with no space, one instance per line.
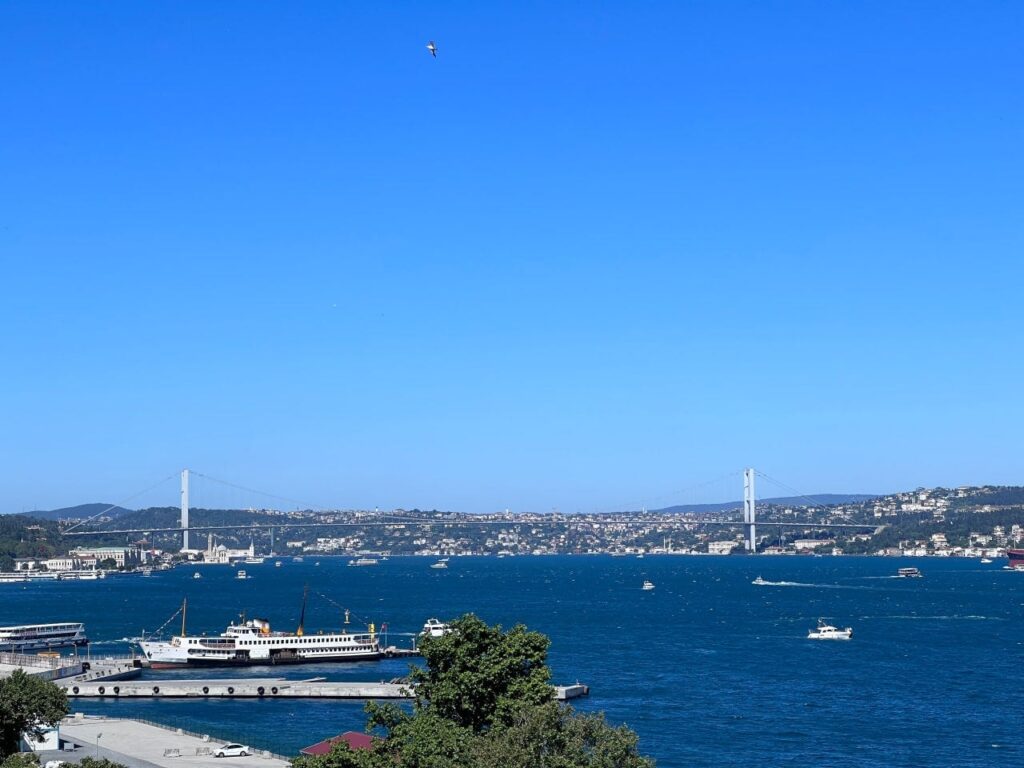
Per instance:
(197,575)
(986,560)
(759,581)
(648,586)
(440,564)
(828,632)
(435,628)
(241,575)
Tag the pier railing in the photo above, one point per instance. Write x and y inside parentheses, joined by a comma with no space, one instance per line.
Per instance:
(40,662)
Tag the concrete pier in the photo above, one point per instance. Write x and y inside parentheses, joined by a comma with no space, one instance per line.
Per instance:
(566,692)
(257,688)
(147,745)
(243,688)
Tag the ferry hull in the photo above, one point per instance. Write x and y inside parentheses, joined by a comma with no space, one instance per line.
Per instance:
(275,662)
(1016,558)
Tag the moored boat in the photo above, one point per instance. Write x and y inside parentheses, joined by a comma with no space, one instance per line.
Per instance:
(252,643)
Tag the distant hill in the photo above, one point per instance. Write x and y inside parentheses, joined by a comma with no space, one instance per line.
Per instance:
(823,499)
(78,513)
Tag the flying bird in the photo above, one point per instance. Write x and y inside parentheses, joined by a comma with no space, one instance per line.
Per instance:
(432,48)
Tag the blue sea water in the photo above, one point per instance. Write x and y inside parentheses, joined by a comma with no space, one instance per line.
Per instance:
(708,668)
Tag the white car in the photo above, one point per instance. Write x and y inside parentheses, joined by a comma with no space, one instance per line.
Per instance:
(232,750)
(54,764)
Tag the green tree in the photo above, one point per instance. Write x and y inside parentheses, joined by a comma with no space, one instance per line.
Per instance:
(21,760)
(27,705)
(554,736)
(476,673)
(99,762)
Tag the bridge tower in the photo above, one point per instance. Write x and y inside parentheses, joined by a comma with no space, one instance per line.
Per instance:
(184,509)
(749,509)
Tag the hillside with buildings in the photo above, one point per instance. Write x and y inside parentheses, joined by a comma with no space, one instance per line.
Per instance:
(967,521)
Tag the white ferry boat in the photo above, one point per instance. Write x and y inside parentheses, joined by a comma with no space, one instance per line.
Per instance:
(909,573)
(826,631)
(251,643)
(363,561)
(253,560)
(41,637)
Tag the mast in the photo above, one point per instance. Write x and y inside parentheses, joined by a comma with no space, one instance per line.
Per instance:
(302,616)
(184,611)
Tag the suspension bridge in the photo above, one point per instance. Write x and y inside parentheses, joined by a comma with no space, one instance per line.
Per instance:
(748,522)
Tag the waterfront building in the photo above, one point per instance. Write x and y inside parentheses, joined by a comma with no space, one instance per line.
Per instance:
(123,557)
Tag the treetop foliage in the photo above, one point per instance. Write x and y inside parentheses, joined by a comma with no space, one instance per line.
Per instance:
(484,700)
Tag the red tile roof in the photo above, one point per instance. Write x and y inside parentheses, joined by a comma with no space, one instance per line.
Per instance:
(353,739)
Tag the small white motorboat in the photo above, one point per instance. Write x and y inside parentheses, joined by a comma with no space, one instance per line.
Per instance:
(435,628)
(986,560)
(440,564)
(760,582)
(648,586)
(241,575)
(826,631)
(197,575)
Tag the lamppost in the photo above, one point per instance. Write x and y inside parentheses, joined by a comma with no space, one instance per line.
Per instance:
(98,737)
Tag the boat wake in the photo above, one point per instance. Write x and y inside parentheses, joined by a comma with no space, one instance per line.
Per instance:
(968,617)
(118,641)
(764,583)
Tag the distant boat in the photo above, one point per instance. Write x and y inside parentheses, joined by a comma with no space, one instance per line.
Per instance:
(363,561)
(648,586)
(909,573)
(197,575)
(254,560)
(986,560)
(297,559)
(440,564)
(277,564)
(640,556)
(828,632)
(241,575)
(147,571)
(760,582)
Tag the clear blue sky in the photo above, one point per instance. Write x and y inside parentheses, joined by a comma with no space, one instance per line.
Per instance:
(591,254)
